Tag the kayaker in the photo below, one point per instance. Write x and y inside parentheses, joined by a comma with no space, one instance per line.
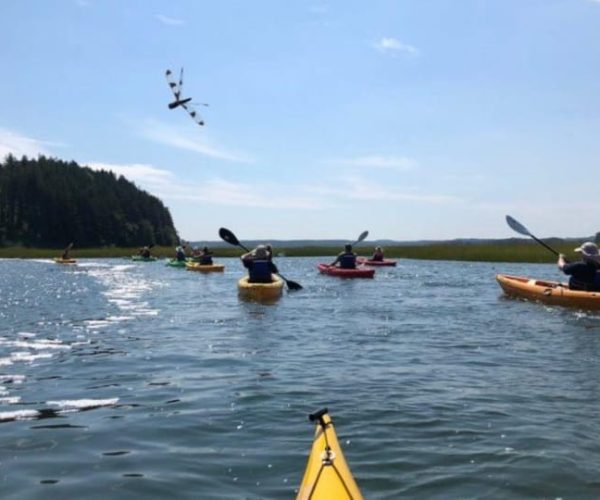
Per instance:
(378,255)
(65,254)
(180,253)
(346,259)
(206,257)
(584,274)
(259,265)
(145,252)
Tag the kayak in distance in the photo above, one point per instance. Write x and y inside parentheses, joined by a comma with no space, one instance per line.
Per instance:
(367,262)
(261,291)
(359,272)
(548,292)
(327,475)
(205,268)
(176,263)
(139,258)
(60,260)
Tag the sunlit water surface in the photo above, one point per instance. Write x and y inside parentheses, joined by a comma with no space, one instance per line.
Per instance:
(136,380)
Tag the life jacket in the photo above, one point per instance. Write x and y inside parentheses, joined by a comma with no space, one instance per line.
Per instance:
(180,255)
(206,260)
(348,261)
(259,272)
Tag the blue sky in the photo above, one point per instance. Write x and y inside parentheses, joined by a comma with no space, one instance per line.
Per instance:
(412,119)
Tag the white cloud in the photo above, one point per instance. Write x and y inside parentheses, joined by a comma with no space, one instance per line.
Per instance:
(184,138)
(398,163)
(393,45)
(142,174)
(170,21)
(20,145)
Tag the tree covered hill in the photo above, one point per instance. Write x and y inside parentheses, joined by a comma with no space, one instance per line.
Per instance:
(46,202)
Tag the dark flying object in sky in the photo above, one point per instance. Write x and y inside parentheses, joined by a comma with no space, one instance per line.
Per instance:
(179,101)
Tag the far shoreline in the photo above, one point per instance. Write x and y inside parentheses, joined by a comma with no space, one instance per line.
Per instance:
(525,252)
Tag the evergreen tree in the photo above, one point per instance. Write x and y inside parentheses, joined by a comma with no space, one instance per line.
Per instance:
(46,202)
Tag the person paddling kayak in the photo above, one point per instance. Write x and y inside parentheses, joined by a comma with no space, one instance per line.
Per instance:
(65,254)
(584,274)
(346,259)
(180,254)
(259,264)
(378,255)
(206,257)
(145,252)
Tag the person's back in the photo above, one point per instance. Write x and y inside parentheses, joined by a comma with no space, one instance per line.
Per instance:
(346,259)
(378,255)
(259,265)
(179,254)
(145,253)
(206,257)
(584,274)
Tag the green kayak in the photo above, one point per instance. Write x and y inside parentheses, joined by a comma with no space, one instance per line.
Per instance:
(176,263)
(139,258)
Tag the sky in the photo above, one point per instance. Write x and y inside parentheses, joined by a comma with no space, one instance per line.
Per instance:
(411,119)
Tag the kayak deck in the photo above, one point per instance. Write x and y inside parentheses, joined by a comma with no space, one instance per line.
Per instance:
(327,475)
(359,272)
(205,268)
(59,260)
(548,292)
(368,262)
(261,291)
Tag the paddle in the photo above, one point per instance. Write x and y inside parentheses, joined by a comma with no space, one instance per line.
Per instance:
(362,236)
(521,229)
(229,237)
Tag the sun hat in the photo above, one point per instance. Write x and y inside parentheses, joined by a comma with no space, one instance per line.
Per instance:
(589,251)
(260,252)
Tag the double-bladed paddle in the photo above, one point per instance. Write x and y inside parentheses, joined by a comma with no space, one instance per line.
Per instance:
(521,229)
(229,237)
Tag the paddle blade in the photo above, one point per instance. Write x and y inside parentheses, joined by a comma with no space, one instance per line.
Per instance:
(228,236)
(292,285)
(517,226)
(363,235)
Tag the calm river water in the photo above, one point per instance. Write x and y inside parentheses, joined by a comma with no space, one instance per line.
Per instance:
(136,380)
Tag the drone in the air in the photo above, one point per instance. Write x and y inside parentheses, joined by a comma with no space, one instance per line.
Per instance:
(179,101)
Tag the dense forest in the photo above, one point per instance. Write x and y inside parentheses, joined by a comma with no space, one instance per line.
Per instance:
(46,202)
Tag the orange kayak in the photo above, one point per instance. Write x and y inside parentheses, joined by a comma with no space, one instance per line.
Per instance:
(548,292)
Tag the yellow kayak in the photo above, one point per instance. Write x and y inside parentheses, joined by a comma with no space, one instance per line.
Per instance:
(327,475)
(261,291)
(205,268)
(59,260)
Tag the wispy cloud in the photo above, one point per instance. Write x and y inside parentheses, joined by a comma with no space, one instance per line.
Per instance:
(20,145)
(393,45)
(398,163)
(360,189)
(183,138)
(169,21)
(140,173)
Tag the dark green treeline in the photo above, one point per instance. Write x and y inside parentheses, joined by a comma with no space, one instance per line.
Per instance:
(46,202)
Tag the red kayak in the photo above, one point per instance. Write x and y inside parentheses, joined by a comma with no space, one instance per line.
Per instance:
(367,262)
(359,272)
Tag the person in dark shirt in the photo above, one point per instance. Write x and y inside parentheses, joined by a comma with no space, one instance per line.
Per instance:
(584,274)
(180,254)
(346,259)
(206,257)
(259,265)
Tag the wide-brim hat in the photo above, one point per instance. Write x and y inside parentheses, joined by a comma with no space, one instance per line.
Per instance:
(589,251)
(260,252)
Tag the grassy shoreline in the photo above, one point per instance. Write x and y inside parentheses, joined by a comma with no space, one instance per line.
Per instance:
(485,252)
